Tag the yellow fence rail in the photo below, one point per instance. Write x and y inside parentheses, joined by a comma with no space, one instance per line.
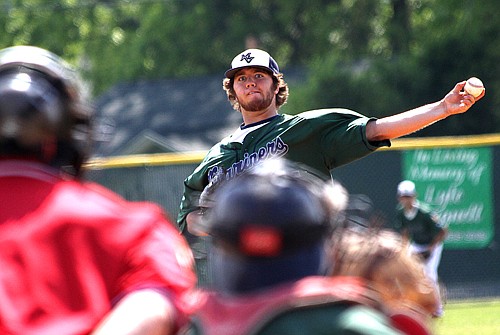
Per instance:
(193,157)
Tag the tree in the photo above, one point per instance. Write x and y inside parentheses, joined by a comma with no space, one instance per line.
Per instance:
(377,57)
(444,47)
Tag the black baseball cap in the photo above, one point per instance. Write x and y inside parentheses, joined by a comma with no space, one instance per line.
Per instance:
(253,58)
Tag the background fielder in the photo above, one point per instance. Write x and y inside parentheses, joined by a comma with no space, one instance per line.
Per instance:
(421,228)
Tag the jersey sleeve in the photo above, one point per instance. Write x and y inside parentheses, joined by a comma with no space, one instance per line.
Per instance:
(189,203)
(342,135)
(214,163)
(194,184)
(159,259)
(434,224)
(346,141)
(398,223)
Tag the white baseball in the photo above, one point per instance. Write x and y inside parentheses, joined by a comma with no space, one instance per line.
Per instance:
(474,86)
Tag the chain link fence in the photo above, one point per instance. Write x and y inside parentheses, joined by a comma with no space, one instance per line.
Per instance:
(466,273)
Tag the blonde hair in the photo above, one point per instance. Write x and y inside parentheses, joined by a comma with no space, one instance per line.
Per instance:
(382,258)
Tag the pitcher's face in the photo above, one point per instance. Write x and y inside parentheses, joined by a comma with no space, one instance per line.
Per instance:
(254,89)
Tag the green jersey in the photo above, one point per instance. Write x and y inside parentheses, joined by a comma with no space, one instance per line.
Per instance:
(321,139)
(422,228)
(311,305)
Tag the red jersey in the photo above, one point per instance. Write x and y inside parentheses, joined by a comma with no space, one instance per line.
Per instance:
(70,250)
(307,306)
(221,314)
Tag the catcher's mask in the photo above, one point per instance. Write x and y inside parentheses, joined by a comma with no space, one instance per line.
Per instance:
(269,225)
(43,114)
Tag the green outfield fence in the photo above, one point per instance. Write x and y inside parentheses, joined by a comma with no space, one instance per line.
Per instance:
(469,269)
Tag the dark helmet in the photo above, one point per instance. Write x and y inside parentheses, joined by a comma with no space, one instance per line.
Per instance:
(269,225)
(43,113)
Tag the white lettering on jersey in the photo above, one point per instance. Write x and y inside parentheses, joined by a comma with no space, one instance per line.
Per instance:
(273,149)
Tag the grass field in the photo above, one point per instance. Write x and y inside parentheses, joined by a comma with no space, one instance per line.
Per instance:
(470,318)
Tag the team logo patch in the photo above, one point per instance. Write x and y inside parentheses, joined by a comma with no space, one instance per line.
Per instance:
(261,241)
(247,58)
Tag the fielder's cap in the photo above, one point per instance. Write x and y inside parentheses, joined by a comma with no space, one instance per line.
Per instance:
(406,188)
(268,226)
(253,58)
